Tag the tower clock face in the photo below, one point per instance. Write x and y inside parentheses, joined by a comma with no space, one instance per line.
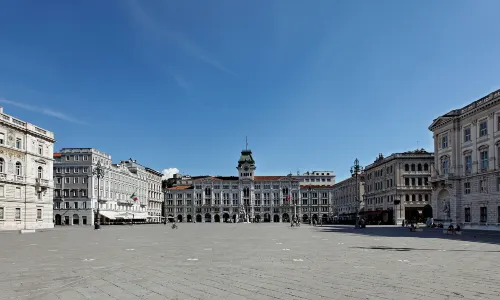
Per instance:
(246,168)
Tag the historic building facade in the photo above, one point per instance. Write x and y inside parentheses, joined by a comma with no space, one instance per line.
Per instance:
(397,187)
(124,192)
(26,184)
(466,170)
(246,197)
(348,197)
(155,195)
(317,178)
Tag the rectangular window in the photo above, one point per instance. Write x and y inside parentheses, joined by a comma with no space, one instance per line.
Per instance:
(39,214)
(18,193)
(467,215)
(498,214)
(85,157)
(66,205)
(467,136)
(40,150)
(2,191)
(2,213)
(467,187)
(444,141)
(67,179)
(77,169)
(75,180)
(85,170)
(482,186)
(18,214)
(2,138)
(77,158)
(498,125)
(84,180)
(67,170)
(75,205)
(483,128)
(484,160)
(483,214)
(468,164)
(18,143)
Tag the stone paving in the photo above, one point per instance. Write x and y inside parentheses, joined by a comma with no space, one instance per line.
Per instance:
(247,261)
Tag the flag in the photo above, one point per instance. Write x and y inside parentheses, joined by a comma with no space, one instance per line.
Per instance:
(134,197)
(287,197)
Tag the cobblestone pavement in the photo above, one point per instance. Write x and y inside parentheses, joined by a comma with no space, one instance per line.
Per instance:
(247,261)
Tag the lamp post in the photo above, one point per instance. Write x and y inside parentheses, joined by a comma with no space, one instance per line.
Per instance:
(98,171)
(355,171)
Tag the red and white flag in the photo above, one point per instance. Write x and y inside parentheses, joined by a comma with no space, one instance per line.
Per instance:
(287,197)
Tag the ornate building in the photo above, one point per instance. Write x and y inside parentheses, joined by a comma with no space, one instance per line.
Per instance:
(155,195)
(25,175)
(397,187)
(246,197)
(127,189)
(466,170)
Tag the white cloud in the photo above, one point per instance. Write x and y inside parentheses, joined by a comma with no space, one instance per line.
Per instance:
(45,111)
(169,173)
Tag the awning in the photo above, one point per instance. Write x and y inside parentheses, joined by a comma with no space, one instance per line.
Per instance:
(108,214)
(129,215)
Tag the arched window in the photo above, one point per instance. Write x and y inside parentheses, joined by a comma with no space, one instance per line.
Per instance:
(407,167)
(2,163)
(407,198)
(426,167)
(419,167)
(420,197)
(40,172)
(19,170)
(413,167)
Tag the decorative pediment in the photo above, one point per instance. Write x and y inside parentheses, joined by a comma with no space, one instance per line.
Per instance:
(466,152)
(445,157)
(483,147)
(41,161)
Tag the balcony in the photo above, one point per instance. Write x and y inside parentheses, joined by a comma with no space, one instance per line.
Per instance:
(18,178)
(42,182)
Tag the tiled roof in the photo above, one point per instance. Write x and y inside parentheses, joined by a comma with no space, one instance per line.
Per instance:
(57,154)
(180,187)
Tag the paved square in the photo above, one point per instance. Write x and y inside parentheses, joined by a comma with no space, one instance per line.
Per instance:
(247,261)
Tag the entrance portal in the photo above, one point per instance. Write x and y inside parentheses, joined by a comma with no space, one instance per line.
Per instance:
(217,218)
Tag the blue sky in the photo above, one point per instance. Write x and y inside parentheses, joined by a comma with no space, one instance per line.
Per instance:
(179,84)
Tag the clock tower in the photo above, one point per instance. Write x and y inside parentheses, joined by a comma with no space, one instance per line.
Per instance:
(246,165)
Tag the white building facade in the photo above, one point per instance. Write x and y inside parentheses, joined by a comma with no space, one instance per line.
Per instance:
(398,187)
(317,178)
(246,197)
(155,195)
(26,184)
(466,171)
(123,190)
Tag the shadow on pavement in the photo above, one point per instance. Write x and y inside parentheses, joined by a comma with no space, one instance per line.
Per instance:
(478,236)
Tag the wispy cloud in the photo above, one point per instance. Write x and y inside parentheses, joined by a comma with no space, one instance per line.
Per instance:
(164,33)
(42,110)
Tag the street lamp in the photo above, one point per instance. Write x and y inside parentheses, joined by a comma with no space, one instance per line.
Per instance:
(165,197)
(355,171)
(99,172)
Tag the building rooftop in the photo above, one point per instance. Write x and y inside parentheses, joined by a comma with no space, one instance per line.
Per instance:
(26,126)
